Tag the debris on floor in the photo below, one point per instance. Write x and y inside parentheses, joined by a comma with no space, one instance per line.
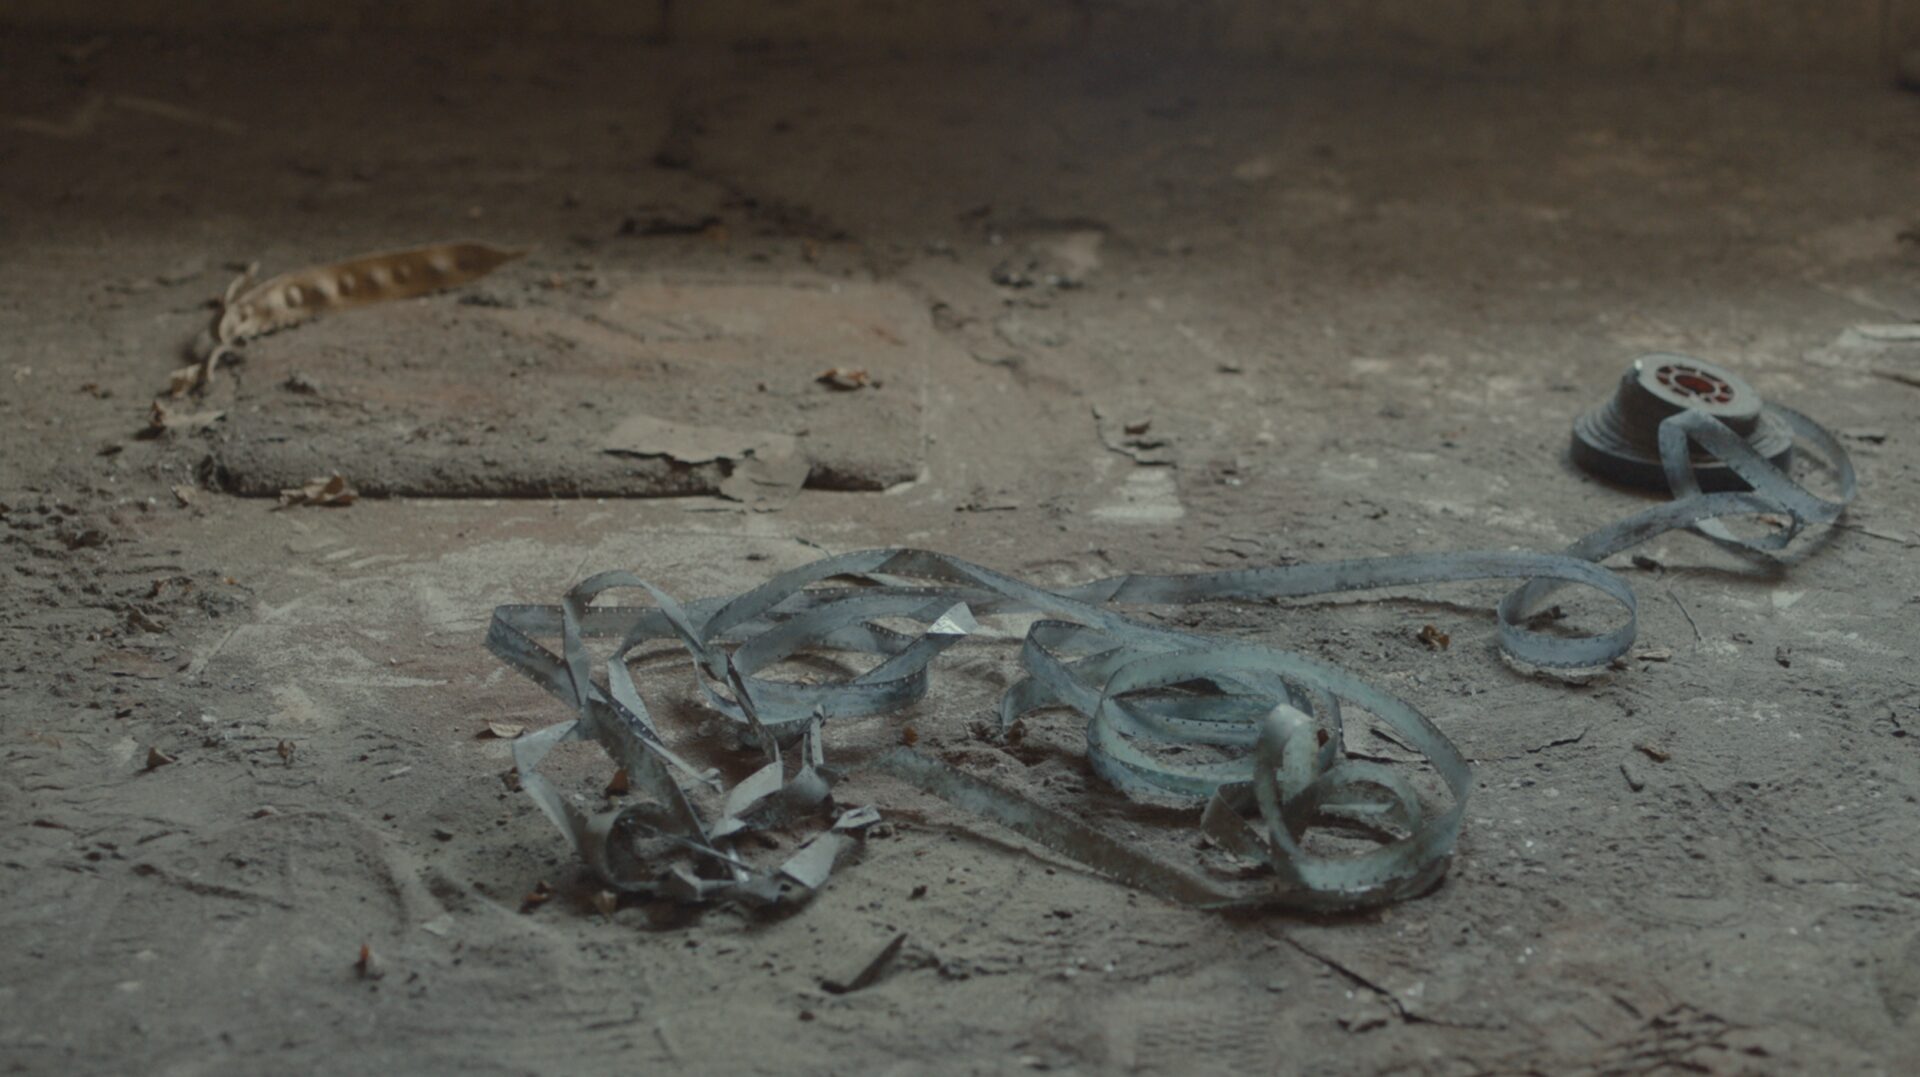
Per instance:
(1057,260)
(432,399)
(1140,686)
(250,309)
(869,973)
(329,491)
(368,965)
(758,465)
(846,379)
(1133,438)
(162,419)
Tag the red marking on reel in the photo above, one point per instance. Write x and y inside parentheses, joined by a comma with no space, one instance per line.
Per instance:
(1690,381)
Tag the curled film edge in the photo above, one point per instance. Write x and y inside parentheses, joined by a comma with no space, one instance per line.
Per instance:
(1140,687)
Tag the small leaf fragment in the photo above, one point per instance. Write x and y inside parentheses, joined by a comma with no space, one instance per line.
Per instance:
(162,420)
(541,894)
(193,376)
(369,966)
(328,491)
(846,379)
(619,786)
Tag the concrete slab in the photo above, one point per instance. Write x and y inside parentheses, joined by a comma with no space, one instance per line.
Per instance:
(511,391)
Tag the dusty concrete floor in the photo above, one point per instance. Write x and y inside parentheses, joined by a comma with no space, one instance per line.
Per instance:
(1362,310)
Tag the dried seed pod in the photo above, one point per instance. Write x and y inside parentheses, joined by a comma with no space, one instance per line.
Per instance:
(292,298)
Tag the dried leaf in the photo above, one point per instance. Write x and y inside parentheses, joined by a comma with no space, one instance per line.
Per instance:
(368,966)
(607,902)
(292,298)
(1658,755)
(285,750)
(331,492)
(1434,638)
(846,379)
(619,786)
(157,759)
(193,376)
(542,893)
(164,419)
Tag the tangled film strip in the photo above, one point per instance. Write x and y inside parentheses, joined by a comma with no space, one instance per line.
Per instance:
(1271,717)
